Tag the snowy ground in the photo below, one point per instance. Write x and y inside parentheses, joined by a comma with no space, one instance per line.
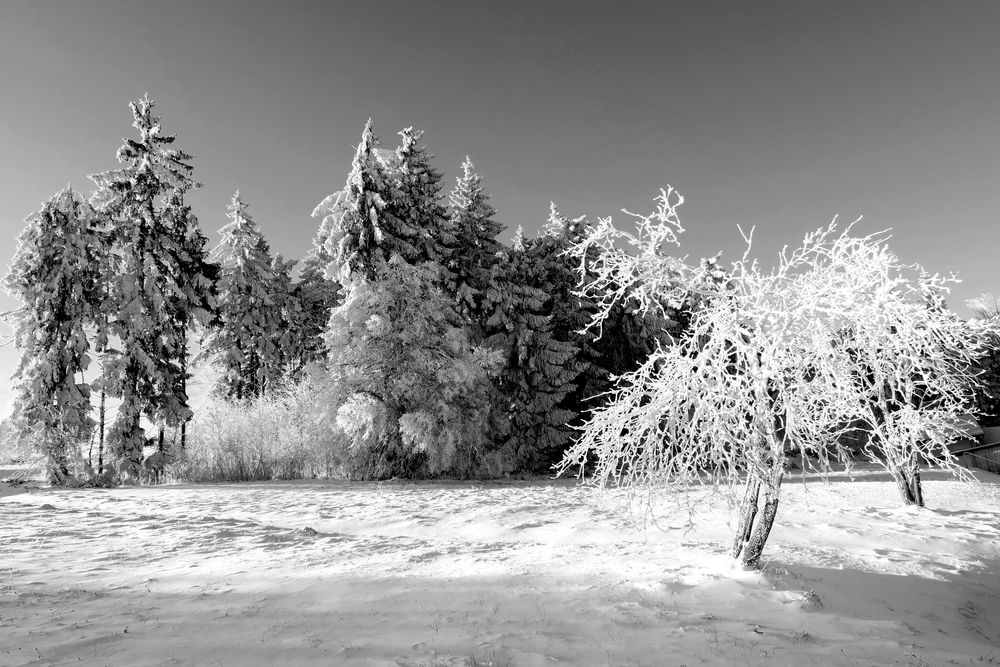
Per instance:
(516,573)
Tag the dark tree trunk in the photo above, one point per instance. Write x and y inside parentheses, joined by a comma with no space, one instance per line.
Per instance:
(159,442)
(755,545)
(184,386)
(757,513)
(100,437)
(910,488)
(748,512)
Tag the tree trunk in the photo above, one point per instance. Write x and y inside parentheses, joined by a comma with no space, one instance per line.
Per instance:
(184,387)
(748,511)
(58,464)
(755,545)
(159,443)
(908,481)
(100,438)
(755,523)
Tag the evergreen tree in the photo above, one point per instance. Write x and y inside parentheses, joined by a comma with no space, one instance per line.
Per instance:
(192,301)
(145,372)
(287,335)
(476,235)
(55,274)
(412,388)
(359,231)
(417,202)
(538,370)
(243,342)
(315,297)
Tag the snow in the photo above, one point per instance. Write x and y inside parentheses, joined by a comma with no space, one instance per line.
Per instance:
(494,573)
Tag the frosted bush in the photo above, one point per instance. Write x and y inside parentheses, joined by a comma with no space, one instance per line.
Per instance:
(287,434)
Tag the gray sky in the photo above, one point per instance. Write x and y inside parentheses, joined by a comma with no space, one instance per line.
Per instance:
(774,114)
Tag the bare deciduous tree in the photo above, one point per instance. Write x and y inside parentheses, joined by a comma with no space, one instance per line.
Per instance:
(763,370)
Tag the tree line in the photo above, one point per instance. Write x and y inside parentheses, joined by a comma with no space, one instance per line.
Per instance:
(445,350)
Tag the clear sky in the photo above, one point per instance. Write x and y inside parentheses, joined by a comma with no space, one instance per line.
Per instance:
(774,114)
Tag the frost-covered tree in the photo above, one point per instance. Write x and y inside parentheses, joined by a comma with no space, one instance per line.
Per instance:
(144,370)
(417,202)
(243,343)
(986,306)
(917,364)
(315,296)
(287,310)
(537,371)
(411,390)
(55,275)
(477,246)
(554,272)
(191,302)
(360,228)
(762,369)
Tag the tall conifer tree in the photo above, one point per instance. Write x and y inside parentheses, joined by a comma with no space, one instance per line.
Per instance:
(192,302)
(55,274)
(359,230)
(418,203)
(476,235)
(243,343)
(538,369)
(145,372)
(315,296)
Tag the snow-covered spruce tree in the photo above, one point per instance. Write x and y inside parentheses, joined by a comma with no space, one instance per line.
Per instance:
(192,302)
(315,297)
(287,337)
(55,275)
(243,341)
(358,228)
(417,202)
(554,272)
(762,369)
(538,370)
(476,244)
(144,372)
(411,390)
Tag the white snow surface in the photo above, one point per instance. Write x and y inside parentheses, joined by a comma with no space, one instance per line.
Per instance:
(494,573)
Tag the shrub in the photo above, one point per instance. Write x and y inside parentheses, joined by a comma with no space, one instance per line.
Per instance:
(286,434)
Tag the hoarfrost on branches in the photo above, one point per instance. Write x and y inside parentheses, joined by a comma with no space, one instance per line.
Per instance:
(766,367)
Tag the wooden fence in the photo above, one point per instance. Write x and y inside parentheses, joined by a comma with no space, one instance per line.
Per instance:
(986,459)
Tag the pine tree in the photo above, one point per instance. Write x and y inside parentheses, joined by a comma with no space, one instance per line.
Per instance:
(315,296)
(144,373)
(477,246)
(192,302)
(55,274)
(359,231)
(287,336)
(538,369)
(412,389)
(417,202)
(243,342)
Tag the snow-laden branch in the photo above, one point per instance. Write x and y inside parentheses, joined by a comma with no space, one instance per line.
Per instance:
(618,266)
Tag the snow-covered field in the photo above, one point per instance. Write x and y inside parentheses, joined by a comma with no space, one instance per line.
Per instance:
(519,573)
